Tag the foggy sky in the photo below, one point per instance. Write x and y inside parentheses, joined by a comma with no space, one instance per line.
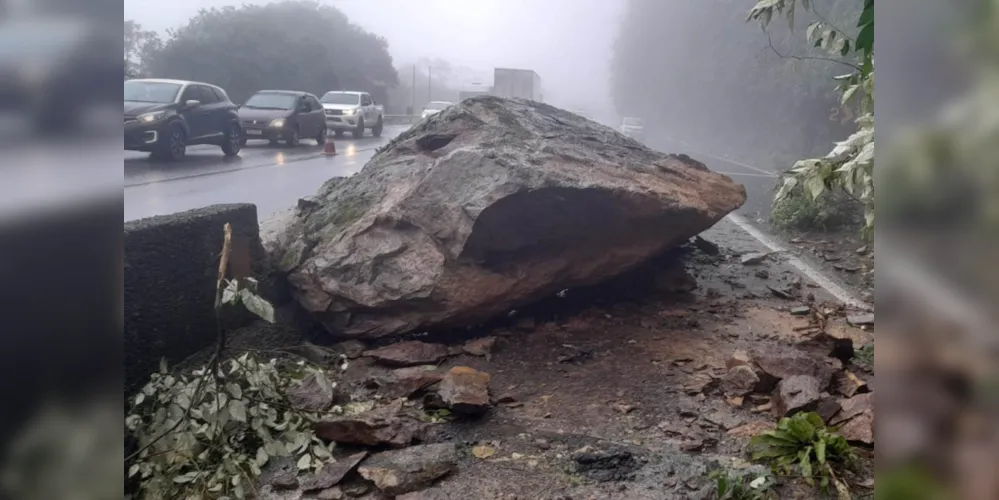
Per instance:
(568,42)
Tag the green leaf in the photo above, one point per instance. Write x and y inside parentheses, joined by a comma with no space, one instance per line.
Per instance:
(815,419)
(789,184)
(163,366)
(820,451)
(133,470)
(257,305)
(867,16)
(850,92)
(815,186)
(829,38)
(805,463)
(305,462)
(810,32)
(845,49)
(722,485)
(237,410)
(185,478)
(865,39)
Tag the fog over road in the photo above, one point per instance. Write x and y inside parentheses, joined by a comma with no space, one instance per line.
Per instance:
(271,177)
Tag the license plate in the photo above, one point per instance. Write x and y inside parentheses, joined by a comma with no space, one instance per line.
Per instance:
(334,119)
(254,132)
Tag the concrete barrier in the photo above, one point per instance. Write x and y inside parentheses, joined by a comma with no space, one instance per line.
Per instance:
(170,272)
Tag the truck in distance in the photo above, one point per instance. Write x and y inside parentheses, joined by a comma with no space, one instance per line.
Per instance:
(348,111)
(522,83)
(633,127)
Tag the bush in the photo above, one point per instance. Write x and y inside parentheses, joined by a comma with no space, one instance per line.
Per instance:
(800,212)
(803,445)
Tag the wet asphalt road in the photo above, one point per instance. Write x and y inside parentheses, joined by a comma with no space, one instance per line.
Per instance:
(275,177)
(759,181)
(271,177)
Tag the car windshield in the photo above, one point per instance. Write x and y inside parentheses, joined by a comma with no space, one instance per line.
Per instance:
(438,105)
(632,122)
(158,92)
(271,100)
(341,98)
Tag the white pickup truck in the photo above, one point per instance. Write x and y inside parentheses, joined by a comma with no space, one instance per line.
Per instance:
(352,111)
(633,127)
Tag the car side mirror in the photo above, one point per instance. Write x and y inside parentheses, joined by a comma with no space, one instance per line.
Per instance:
(192,103)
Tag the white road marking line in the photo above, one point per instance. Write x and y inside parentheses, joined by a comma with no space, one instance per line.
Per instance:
(808,270)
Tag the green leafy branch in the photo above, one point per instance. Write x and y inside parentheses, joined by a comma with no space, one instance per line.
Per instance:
(850,165)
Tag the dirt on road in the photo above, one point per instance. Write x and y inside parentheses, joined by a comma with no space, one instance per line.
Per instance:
(621,391)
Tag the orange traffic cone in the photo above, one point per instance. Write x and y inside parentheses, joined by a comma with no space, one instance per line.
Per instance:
(329,149)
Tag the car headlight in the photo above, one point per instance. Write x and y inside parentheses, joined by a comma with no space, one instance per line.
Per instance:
(277,122)
(349,112)
(151,117)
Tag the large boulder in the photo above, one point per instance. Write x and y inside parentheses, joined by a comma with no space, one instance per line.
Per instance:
(489,205)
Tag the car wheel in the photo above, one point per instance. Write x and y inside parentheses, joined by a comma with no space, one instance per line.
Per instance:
(359,131)
(173,147)
(292,139)
(338,133)
(377,130)
(321,138)
(233,141)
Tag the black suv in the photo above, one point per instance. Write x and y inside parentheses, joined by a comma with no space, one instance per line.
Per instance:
(163,117)
(283,114)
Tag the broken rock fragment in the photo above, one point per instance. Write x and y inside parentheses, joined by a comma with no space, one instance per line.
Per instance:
(776,367)
(312,393)
(331,473)
(866,319)
(399,472)
(752,259)
(739,357)
(856,418)
(739,381)
(794,394)
(409,353)
(381,426)
(404,382)
(848,384)
(494,204)
(465,390)
(480,347)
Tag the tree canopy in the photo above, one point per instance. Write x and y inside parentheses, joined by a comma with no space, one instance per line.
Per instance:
(698,72)
(295,45)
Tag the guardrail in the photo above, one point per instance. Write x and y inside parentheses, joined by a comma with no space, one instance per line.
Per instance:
(401,119)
